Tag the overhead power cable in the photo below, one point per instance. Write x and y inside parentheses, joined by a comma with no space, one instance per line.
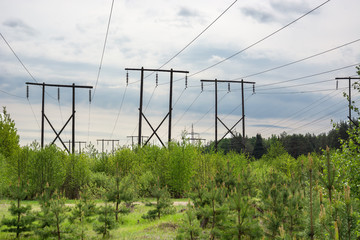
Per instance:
(298,92)
(32,110)
(309,108)
(22,64)
(103,51)
(182,115)
(340,109)
(117,118)
(308,76)
(100,66)
(305,109)
(219,101)
(261,40)
(297,61)
(187,45)
(10,94)
(296,85)
(17,57)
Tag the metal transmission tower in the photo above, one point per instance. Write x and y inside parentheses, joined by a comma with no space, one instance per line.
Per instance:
(134,137)
(194,139)
(349,78)
(43,116)
(229,130)
(107,141)
(77,142)
(142,115)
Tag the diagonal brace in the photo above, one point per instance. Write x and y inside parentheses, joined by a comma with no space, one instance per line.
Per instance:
(58,134)
(154,131)
(229,130)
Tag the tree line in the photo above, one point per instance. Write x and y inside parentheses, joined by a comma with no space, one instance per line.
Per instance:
(294,144)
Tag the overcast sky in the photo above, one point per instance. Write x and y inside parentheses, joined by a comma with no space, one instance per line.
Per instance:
(294,65)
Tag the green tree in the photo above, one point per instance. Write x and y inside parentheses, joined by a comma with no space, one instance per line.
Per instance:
(77,174)
(106,221)
(259,148)
(163,202)
(47,167)
(52,216)
(22,218)
(242,217)
(190,226)
(9,139)
(82,214)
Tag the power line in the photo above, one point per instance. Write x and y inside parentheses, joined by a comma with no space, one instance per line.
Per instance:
(10,94)
(315,114)
(17,57)
(298,92)
(182,92)
(187,45)
(211,108)
(117,118)
(318,119)
(261,40)
(308,76)
(302,111)
(103,51)
(297,61)
(187,109)
(100,65)
(297,85)
(32,110)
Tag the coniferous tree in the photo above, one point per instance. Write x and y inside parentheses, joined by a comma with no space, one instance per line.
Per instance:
(259,148)
(294,210)
(82,214)
(123,191)
(216,210)
(274,197)
(22,218)
(163,202)
(190,227)
(52,216)
(106,221)
(242,218)
(329,177)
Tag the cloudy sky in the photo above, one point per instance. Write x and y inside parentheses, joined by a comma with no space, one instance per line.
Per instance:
(293,60)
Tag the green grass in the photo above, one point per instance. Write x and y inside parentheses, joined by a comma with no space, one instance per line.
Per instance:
(131,226)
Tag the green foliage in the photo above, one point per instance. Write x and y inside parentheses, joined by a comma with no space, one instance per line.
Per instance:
(47,167)
(329,177)
(122,191)
(339,218)
(51,218)
(3,179)
(180,169)
(82,214)
(9,139)
(22,218)
(275,149)
(106,221)
(124,159)
(259,149)
(77,174)
(241,221)
(98,184)
(274,197)
(190,225)
(17,166)
(163,202)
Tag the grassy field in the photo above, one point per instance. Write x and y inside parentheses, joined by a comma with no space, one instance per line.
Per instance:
(131,226)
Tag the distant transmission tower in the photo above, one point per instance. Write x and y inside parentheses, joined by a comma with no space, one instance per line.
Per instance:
(72,117)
